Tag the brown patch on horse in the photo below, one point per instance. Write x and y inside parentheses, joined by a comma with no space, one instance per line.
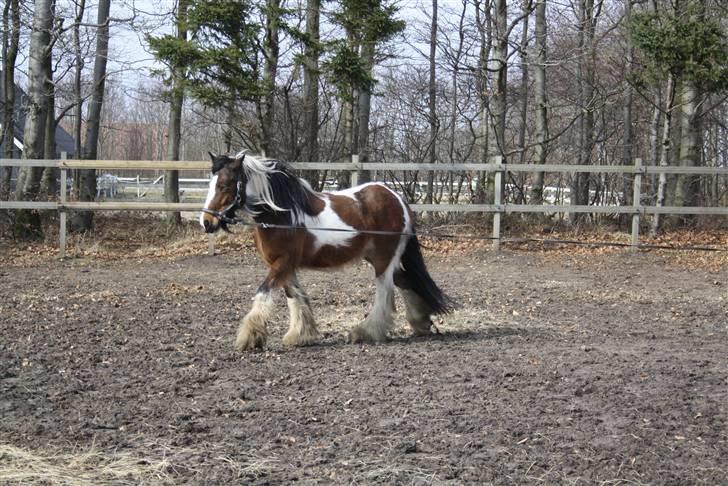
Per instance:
(379,209)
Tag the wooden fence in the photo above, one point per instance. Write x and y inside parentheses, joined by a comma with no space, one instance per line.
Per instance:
(498,208)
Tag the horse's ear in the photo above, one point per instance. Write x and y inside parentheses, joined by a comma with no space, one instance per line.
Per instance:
(218,162)
(239,157)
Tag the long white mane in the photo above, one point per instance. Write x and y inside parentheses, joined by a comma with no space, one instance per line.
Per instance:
(257,170)
(258,191)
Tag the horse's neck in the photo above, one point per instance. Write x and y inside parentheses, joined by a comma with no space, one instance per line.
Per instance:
(268,215)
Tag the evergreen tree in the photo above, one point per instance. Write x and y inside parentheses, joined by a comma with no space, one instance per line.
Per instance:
(219,51)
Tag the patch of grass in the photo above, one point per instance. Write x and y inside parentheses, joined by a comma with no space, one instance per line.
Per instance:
(91,467)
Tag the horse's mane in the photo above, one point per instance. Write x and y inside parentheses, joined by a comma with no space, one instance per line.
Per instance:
(274,188)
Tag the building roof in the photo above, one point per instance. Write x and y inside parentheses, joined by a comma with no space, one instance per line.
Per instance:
(64,141)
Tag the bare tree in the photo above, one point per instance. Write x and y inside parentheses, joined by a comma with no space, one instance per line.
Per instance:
(485,29)
(586,79)
(83,220)
(311,85)
(171,177)
(271,53)
(541,118)
(432,101)
(11,43)
(498,69)
(27,222)
(80,8)
(627,104)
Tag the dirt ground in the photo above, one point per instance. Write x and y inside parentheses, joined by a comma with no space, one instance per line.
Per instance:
(557,369)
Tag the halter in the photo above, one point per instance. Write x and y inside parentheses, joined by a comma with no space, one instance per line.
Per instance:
(227,214)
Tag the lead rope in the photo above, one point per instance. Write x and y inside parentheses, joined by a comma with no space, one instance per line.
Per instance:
(431,234)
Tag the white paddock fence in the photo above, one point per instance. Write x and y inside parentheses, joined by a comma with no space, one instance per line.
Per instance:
(497,208)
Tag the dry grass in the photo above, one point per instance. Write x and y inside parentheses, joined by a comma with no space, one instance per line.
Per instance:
(146,236)
(154,464)
(91,467)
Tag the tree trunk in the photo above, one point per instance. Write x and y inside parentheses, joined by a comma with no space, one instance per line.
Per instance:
(271,52)
(11,40)
(628,137)
(485,29)
(27,222)
(365,108)
(457,57)
(171,177)
(48,184)
(686,189)
(665,153)
(523,51)
(78,71)
(580,187)
(83,220)
(432,103)
(541,121)
(311,87)
(654,137)
(499,71)
(347,113)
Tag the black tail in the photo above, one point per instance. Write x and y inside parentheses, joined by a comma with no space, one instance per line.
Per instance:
(419,281)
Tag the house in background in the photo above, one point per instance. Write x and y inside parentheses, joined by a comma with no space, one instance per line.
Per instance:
(64,141)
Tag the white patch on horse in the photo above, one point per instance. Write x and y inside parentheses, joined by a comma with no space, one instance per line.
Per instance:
(328,219)
(208,199)
(352,191)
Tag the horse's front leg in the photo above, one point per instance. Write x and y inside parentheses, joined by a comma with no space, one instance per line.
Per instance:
(302,330)
(253,330)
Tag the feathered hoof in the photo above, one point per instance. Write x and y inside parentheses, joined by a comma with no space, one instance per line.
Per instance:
(304,339)
(360,334)
(424,328)
(250,338)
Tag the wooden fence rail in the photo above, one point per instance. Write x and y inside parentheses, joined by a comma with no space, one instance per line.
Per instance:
(497,208)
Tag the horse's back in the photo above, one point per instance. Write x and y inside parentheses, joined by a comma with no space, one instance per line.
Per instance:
(375,207)
(349,226)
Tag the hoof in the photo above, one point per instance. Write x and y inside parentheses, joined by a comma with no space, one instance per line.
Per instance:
(306,339)
(248,339)
(361,335)
(425,329)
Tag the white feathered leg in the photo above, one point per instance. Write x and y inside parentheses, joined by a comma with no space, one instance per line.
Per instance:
(380,320)
(253,331)
(302,330)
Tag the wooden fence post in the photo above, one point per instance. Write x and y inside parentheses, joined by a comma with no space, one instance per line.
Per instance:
(211,244)
(637,204)
(62,232)
(354,179)
(497,202)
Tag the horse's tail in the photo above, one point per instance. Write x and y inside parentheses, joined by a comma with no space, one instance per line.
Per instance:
(418,279)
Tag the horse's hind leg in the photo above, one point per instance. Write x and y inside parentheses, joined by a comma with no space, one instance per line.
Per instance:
(302,330)
(380,320)
(417,310)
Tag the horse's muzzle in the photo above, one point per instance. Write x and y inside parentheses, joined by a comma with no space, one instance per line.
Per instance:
(214,223)
(209,227)
(210,223)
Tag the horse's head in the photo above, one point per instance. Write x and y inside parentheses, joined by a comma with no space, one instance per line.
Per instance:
(226,193)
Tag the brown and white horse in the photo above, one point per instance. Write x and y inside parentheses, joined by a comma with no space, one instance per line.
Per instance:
(320,230)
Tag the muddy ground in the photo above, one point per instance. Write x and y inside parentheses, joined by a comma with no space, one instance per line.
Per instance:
(601,369)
